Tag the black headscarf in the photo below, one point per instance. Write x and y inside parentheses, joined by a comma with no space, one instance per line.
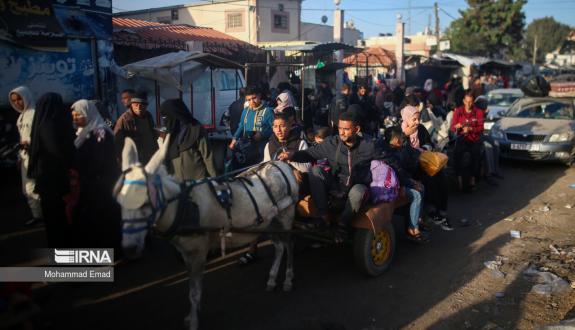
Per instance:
(52,126)
(183,127)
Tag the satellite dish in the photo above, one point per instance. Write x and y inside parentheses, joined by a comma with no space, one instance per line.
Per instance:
(324,19)
(337,2)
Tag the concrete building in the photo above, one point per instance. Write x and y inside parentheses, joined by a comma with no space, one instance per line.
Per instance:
(324,33)
(259,22)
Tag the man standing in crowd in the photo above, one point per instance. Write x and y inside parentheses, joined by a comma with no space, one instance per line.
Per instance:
(467,123)
(22,101)
(137,124)
(126,97)
(255,126)
(338,106)
(235,110)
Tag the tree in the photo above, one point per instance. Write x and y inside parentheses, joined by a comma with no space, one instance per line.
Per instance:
(550,35)
(491,28)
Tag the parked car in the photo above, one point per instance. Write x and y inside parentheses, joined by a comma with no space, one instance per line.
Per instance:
(498,102)
(538,128)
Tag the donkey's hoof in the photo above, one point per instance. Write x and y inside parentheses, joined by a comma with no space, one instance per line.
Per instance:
(288,287)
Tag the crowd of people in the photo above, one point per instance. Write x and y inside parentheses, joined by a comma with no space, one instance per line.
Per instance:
(70,160)
(339,136)
(70,156)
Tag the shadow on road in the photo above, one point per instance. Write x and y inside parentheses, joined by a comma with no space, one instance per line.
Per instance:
(329,291)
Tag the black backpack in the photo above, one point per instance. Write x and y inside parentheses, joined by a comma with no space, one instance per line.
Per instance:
(536,86)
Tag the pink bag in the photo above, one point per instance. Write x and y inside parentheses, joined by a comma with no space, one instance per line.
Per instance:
(384,186)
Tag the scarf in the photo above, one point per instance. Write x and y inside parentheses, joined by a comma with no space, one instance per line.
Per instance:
(428,86)
(26,96)
(51,122)
(94,122)
(284,100)
(407,114)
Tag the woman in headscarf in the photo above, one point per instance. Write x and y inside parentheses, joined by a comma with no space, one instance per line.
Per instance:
(22,101)
(96,220)
(284,100)
(435,186)
(51,158)
(189,155)
(418,135)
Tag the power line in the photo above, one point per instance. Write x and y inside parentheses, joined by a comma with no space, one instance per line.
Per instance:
(448,14)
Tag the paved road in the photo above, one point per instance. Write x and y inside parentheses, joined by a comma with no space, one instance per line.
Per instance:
(329,293)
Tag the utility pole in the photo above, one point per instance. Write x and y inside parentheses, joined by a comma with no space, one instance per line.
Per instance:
(535,50)
(436,11)
(400,42)
(338,16)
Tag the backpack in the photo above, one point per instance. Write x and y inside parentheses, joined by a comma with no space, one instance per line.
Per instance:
(536,86)
(384,186)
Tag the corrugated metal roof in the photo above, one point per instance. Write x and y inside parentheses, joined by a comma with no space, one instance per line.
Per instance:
(173,32)
(374,56)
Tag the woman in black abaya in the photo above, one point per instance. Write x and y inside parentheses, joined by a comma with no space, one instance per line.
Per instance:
(51,157)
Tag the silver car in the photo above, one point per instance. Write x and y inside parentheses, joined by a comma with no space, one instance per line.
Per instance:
(498,102)
(538,128)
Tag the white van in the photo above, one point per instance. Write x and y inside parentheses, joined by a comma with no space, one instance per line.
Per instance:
(226,83)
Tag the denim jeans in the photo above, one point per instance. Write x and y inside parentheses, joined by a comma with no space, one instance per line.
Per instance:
(416,199)
(320,184)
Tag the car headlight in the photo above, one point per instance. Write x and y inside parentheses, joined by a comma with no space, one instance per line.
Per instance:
(497,133)
(561,137)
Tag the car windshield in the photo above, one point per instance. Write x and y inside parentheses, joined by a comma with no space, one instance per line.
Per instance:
(545,110)
(501,100)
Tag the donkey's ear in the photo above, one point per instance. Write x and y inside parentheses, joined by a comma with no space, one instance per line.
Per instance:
(158,158)
(129,154)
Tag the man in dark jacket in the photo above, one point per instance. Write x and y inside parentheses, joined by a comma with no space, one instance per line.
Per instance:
(338,106)
(235,110)
(137,123)
(349,156)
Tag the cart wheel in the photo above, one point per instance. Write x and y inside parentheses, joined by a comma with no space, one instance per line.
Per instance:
(373,254)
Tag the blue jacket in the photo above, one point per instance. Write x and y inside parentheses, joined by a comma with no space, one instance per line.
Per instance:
(259,120)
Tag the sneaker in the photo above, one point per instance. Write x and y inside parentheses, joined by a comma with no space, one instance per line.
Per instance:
(32,222)
(445,225)
(438,220)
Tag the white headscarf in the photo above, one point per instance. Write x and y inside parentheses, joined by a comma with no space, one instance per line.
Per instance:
(94,121)
(26,96)
(284,100)
(428,86)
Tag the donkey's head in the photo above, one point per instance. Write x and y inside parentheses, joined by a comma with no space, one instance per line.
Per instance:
(143,192)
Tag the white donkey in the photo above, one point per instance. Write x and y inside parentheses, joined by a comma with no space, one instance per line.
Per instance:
(151,199)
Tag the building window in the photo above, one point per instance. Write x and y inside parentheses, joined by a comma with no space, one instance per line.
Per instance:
(164,19)
(234,21)
(280,22)
(174,14)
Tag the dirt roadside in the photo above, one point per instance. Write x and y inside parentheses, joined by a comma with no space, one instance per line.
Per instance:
(497,290)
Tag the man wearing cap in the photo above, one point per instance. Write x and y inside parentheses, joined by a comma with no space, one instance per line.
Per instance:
(137,123)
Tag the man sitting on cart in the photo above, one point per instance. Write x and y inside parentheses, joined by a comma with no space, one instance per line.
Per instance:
(349,156)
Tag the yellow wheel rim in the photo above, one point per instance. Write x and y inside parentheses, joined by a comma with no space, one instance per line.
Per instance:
(381,248)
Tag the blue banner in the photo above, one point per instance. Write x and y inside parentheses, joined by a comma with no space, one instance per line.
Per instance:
(70,74)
